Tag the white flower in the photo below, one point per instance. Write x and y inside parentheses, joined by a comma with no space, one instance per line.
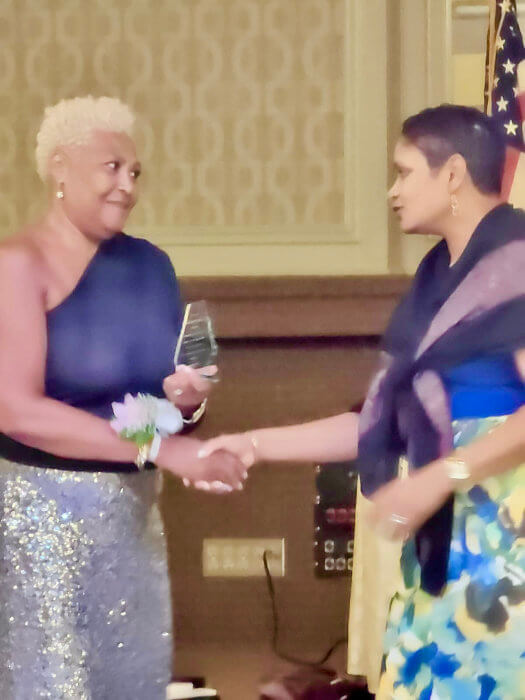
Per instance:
(145,413)
(168,419)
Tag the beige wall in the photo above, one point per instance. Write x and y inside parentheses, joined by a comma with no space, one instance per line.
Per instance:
(469,30)
(265,124)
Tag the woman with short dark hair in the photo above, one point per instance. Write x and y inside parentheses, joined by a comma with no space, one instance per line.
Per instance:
(449,398)
(439,132)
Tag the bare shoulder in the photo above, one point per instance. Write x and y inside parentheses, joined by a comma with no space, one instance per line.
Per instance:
(21,261)
(20,252)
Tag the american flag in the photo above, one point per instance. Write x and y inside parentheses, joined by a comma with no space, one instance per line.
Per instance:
(505,92)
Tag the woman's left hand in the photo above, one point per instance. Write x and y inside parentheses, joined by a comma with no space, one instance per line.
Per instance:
(188,387)
(400,507)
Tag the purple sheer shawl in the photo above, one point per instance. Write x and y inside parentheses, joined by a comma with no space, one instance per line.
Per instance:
(450,315)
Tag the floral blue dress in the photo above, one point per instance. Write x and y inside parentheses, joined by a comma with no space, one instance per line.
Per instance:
(469,642)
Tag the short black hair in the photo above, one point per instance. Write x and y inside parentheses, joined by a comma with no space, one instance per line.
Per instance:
(439,132)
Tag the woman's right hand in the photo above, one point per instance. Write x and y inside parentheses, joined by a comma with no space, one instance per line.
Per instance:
(243,446)
(182,457)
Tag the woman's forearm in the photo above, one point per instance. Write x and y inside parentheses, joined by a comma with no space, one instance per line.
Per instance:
(501,449)
(327,440)
(64,431)
(498,451)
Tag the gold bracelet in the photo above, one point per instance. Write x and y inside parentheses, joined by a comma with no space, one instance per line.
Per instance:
(196,415)
(458,471)
(142,456)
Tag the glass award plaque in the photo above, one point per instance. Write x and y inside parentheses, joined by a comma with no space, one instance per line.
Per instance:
(196,345)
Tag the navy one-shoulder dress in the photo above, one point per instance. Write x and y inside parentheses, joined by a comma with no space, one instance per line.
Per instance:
(84,592)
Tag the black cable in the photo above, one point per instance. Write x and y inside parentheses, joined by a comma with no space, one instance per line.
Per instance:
(275,626)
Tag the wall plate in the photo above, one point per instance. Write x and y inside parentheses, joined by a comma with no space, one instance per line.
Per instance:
(240,557)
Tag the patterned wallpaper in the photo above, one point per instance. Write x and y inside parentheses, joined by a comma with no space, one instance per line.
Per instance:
(241,103)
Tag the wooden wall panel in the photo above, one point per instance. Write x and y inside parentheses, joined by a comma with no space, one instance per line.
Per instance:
(309,306)
(264,383)
(270,380)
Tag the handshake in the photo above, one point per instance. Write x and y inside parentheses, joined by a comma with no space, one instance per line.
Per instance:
(219,465)
(237,452)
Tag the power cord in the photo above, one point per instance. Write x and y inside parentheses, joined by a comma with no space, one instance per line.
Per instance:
(275,626)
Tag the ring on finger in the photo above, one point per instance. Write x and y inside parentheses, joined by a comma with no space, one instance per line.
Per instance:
(398,519)
(178,392)
(389,528)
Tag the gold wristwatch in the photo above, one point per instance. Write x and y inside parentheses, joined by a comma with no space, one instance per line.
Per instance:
(458,472)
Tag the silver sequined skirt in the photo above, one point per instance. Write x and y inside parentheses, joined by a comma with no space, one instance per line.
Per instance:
(84,592)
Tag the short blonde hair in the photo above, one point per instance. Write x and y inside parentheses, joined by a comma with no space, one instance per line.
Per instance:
(72,122)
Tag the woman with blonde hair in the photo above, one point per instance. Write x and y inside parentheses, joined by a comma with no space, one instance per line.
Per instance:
(89,317)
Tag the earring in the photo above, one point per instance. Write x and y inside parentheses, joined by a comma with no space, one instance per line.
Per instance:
(454,205)
(60,192)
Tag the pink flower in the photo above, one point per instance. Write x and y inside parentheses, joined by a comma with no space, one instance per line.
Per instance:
(142,414)
(136,413)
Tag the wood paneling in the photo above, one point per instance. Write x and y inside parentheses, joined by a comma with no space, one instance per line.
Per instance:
(269,380)
(287,307)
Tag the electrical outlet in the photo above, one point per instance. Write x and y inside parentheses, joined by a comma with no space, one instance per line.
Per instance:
(237,557)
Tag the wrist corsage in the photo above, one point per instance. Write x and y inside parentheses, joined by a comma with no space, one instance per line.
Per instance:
(145,420)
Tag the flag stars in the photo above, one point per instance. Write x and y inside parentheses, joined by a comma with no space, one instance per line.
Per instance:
(500,43)
(509,66)
(502,104)
(511,128)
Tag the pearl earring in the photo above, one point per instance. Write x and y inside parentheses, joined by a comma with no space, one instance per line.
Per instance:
(60,192)
(454,205)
